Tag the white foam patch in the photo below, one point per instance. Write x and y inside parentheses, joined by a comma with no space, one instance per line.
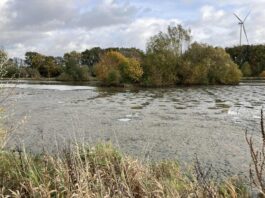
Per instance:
(124,119)
(231,112)
(47,87)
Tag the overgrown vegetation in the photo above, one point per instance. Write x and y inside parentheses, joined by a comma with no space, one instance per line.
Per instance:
(101,171)
(170,59)
(204,64)
(73,70)
(114,69)
(163,56)
(254,55)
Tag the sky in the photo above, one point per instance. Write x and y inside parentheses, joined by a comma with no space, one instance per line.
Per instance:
(53,27)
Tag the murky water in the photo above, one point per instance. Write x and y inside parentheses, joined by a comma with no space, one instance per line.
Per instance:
(240,105)
(154,124)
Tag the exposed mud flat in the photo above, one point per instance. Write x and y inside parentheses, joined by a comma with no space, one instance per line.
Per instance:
(154,124)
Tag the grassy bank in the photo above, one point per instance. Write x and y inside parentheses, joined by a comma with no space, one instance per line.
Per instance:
(102,171)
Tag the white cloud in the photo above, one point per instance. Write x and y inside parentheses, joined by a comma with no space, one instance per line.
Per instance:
(218,26)
(57,42)
(56,26)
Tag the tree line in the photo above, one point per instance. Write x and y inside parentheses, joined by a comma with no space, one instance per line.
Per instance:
(249,58)
(170,59)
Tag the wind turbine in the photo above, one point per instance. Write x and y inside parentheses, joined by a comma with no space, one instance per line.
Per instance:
(242,27)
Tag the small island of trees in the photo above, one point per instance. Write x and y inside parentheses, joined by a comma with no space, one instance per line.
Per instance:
(170,59)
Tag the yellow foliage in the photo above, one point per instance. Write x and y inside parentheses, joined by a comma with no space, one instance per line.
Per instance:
(134,71)
(115,68)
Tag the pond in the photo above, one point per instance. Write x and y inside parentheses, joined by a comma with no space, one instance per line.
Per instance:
(152,124)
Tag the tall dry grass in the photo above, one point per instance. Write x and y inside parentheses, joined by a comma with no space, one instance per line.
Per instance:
(101,171)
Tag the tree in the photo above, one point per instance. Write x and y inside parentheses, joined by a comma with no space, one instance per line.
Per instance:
(246,69)
(171,41)
(11,70)
(73,70)
(34,59)
(49,68)
(73,56)
(204,64)
(163,56)
(253,54)
(133,70)
(3,57)
(91,57)
(114,68)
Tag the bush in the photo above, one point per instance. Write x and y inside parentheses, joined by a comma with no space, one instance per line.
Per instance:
(246,69)
(11,70)
(33,73)
(73,71)
(262,74)
(114,69)
(160,69)
(133,70)
(203,64)
(114,77)
(22,72)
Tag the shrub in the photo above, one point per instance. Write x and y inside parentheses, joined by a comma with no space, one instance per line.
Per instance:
(262,74)
(160,69)
(22,72)
(114,68)
(3,57)
(133,70)
(11,70)
(246,69)
(203,64)
(33,73)
(114,77)
(73,71)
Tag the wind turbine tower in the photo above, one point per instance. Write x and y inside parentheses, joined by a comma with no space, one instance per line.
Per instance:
(242,27)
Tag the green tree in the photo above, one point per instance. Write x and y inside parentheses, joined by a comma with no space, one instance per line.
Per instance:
(204,64)
(34,59)
(11,70)
(91,57)
(253,54)
(163,56)
(49,68)
(73,70)
(73,56)
(246,69)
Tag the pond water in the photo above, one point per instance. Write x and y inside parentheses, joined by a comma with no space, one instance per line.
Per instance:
(47,87)
(152,124)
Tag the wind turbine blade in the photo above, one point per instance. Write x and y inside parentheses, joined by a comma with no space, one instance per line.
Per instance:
(247,16)
(238,18)
(245,32)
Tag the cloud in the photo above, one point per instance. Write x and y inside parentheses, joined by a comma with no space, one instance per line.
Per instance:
(59,41)
(56,26)
(218,26)
(106,14)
